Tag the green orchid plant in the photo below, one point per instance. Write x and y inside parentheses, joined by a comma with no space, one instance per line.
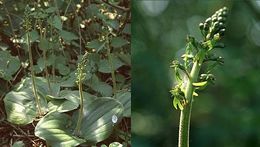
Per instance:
(197,54)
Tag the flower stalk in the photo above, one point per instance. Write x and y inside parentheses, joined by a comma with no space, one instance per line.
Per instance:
(196,55)
(80,78)
(27,25)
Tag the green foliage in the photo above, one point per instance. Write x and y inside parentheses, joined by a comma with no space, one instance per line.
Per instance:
(57,128)
(9,65)
(52,37)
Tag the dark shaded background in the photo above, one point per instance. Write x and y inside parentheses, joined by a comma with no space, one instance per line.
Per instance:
(226,114)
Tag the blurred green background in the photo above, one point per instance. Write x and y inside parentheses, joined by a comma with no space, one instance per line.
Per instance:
(226,114)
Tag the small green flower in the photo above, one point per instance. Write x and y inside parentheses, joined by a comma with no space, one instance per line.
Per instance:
(214,24)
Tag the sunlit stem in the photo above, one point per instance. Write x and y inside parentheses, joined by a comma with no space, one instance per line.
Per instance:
(184,126)
(45,62)
(37,98)
(80,78)
(80,117)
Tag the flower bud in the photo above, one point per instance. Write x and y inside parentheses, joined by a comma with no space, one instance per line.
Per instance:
(201,25)
(214,19)
(224,8)
(208,20)
(216,37)
(206,27)
(221,19)
(222,31)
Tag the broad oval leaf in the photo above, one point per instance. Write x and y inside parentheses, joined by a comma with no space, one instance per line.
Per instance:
(124,97)
(105,67)
(67,100)
(118,42)
(55,128)
(20,103)
(96,44)
(9,65)
(97,118)
(21,106)
(68,36)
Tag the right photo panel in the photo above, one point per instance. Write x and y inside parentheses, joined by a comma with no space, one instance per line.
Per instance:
(195,69)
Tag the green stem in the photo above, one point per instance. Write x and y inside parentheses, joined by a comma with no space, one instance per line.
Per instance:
(110,60)
(37,99)
(184,126)
(45,61)
(80,117)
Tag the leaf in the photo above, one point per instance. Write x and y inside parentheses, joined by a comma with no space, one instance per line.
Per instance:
(96,44)
(63,70)
(101,87)
(40,64)
(67,100)
(97,118)
(124,97)
(105,67)
(9,65)
(115,144)
(127,29)
(195,94)
(55,128)
(20,104)
(177,75)
(3,46)
(56,22)
(91,11)
(21,107)
(126,58)
(34,35)
(200,84)
(177,103)
(44,44)
(68,36)
(69,81)
(18,144)
(112,23)
(50,10)
(117,42)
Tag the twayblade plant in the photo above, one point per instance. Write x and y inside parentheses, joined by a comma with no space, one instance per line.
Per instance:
(80,78)
(28,26)
(197,54)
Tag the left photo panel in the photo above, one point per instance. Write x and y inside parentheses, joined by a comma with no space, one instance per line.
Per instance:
(65,73)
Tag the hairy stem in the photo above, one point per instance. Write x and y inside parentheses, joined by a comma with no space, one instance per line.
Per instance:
(184,126)
(37,98)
